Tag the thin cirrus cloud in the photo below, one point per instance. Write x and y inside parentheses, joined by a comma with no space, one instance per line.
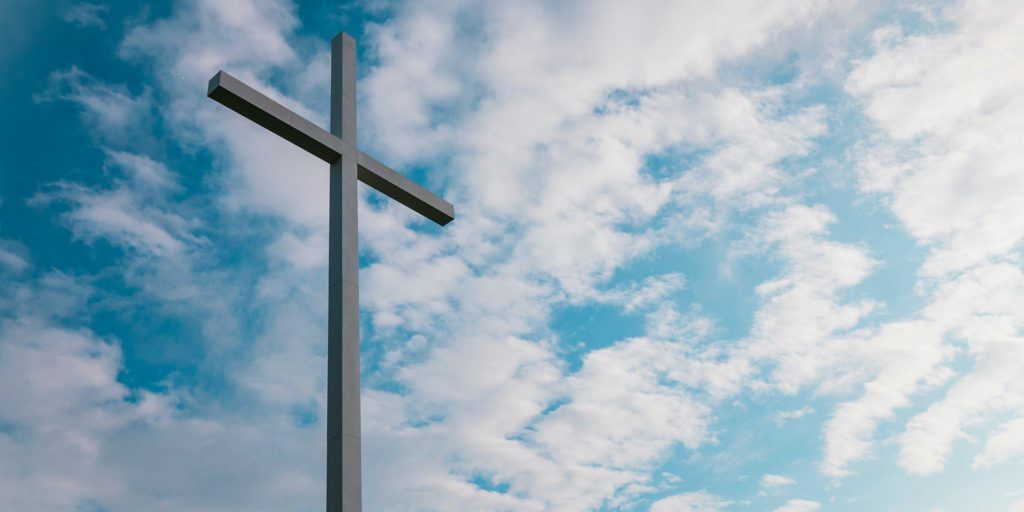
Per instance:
(585,145)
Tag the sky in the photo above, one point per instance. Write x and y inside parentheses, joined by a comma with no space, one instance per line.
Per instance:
(707,257)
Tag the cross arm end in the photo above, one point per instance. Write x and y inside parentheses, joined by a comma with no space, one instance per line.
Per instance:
(213,84)
(404,190)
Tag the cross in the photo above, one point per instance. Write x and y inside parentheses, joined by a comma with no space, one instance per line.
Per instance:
(338,148)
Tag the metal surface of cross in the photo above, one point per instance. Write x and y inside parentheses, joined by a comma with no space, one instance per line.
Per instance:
(338,148)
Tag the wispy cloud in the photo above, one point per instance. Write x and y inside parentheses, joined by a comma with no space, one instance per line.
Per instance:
(116,115)
(690,502)
(129,214)
(13,256)
(85,14)
(770,480)
(799,506)
(783,417)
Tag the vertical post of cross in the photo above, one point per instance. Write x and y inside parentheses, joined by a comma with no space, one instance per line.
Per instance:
(344,481)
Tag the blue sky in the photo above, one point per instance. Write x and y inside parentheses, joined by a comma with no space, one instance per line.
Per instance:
(728,256)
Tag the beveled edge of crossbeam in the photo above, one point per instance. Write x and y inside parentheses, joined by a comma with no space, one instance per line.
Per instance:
(404,190)
(258,108)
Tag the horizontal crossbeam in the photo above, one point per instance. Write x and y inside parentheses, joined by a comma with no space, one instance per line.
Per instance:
(258,108)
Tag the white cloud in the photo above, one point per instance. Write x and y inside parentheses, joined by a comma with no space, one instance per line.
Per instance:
(54,425)
(984,308)
(770,480)
(132,214)
(13,256)
(801,322)
(113,113)
(261,173)
(1007,442)
(303,250)
(117,216)
(783,417)
(85,14)
(75,436)
(799,506)
(80,438)
(146,173)
(54,419)
(906,358)
(626,406)
(653,290)
(690,502)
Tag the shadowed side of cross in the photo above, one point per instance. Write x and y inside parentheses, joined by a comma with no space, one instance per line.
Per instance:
(338,148)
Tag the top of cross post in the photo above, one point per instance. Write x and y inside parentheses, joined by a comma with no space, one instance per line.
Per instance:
(344,39)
